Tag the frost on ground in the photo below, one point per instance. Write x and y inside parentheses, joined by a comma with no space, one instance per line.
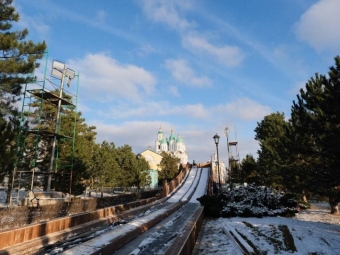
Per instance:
(313,231)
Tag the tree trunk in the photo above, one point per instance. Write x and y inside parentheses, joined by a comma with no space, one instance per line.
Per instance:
(304,198)
(333,202)
(10,187)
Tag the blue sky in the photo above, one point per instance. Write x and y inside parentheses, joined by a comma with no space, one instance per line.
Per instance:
(195,66)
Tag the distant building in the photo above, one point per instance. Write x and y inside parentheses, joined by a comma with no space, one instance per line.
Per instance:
(172,145)
(154,159)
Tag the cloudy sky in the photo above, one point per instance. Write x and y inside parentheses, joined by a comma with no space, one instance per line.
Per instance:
(195,66)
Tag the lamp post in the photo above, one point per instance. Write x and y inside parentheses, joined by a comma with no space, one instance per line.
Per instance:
(60,72)
(138,156)
(227,131)
(217,139)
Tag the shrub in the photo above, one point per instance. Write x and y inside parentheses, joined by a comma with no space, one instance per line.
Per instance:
(250,201)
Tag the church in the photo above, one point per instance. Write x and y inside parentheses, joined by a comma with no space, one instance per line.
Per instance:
(172,144)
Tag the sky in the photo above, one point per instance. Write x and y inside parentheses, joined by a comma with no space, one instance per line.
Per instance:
(194,66)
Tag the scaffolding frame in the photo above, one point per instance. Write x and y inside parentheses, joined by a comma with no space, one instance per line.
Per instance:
(233,157)
(36,95)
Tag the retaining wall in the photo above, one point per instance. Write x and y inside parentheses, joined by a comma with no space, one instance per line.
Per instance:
(185,242)
(18,235)
(171,186)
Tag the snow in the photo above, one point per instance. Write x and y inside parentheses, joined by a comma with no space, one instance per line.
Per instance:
(312,231)
(186,186)
(92,245)
(202,186)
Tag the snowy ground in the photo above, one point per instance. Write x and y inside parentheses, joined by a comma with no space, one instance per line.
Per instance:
(312,231)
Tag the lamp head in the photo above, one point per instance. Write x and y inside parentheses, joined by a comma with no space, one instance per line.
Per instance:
(227,131)
(216,139)
(138,156)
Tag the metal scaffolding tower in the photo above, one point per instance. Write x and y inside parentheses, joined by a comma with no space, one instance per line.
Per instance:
(45,105)
(233,156)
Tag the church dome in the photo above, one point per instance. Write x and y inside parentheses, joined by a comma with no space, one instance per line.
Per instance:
(179,139)
(172,137)
(164,141)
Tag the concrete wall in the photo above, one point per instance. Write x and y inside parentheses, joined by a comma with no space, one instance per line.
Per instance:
(171,186)
(184,243)
(18,235)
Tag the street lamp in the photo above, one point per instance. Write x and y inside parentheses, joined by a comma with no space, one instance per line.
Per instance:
(60,72)
(138,156)
(217,139)
(227,131)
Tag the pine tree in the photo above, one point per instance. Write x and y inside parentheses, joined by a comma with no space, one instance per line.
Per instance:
(316,119)
(269,133)
(126,174)
(7,137)
(104,166)
(17,59)
(143,167)
(249,170)
(169,166)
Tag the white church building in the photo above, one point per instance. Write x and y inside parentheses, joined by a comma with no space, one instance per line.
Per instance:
(172,144)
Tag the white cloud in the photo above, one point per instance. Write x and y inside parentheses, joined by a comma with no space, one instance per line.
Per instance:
(33,23)
(141,134)
(174,91)
(296,88)
(101,15)
(81,107)
(228,55)
(196,111)
(248,146)
(106,79)
(183,73)
(244,109)
(138,134)
(152,109)
(145,50)
(318,26)
(167,12)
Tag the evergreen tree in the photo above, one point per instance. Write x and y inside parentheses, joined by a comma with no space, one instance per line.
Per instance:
(126,174)
(7,152)
(104,166)
(17,59)
(143,167)
(316,119)
(269,133)
(169,166)
(249,172)
(84,146)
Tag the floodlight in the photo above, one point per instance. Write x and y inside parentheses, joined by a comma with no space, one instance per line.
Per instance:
(227,131)
(70,73)
(58,65)
(57,74)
